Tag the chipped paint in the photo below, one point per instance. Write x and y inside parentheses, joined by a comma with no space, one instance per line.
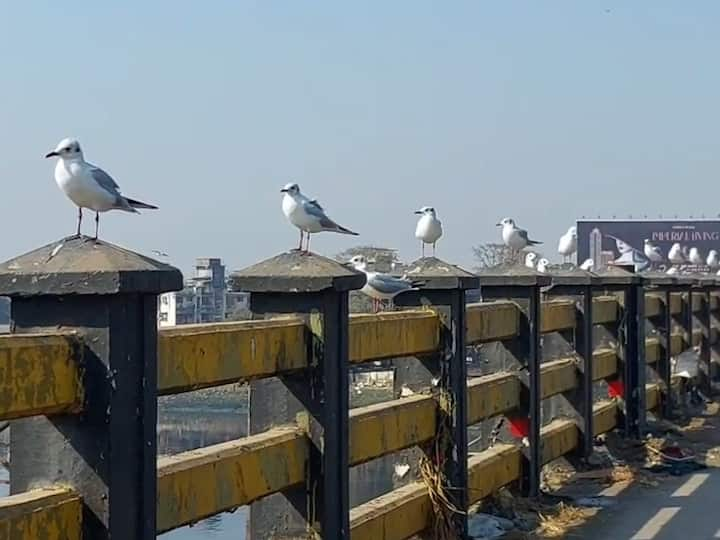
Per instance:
(200,483)
(47,514)
(39,374)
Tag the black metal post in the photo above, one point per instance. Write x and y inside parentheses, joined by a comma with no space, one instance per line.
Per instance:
(534,358)
(634,360)
(444,287)
(705,354)
(107,453)
(524,284)
(317,287)
(578,283)
(665,368)
(584,347)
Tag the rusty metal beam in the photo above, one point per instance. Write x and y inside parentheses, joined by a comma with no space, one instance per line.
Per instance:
(392,335)
(605,309)
(491,395)
(557,315)
(204,355)
(39,374)
(387,427)
(492,321)
(51,514)
(200,483)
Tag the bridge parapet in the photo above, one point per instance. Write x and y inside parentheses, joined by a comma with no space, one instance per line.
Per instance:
(80,375)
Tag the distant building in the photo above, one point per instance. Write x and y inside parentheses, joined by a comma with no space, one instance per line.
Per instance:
(204,299)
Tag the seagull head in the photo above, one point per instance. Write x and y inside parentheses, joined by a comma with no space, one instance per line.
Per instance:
(291,189)
(542,265)
(506,222)
(426,211)
(66,149)
(572,231)
(359,263)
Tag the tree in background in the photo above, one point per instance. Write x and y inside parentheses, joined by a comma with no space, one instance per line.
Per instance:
(491,255)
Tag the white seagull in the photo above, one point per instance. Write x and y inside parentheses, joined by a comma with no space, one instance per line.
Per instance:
(713,259)
(542,265)
(380,286)
(429,228)
(530,259)
(675,255)
(694,256)
(567,245)
(513,236)
(587,265)
(88,186)
(653,252)
(307,215)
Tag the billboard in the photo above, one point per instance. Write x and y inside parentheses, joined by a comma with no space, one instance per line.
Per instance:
(650,244)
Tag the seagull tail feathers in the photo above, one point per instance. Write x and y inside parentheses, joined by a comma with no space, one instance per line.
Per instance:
(139,204)
(534,242)
(343,230)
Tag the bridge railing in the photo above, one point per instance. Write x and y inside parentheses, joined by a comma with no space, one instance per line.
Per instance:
(81,373)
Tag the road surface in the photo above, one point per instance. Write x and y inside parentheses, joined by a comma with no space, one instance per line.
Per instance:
(682,508)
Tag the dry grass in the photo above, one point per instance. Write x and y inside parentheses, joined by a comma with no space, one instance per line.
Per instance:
(559,521)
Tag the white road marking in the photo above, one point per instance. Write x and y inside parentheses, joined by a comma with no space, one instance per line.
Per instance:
(655,523)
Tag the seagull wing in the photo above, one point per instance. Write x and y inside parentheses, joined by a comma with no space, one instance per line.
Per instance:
(387,284)
(524,235)
(314,209)
(104,179)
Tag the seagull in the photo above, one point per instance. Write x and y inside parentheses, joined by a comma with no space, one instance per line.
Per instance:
(653,252)
(380,286)
(160,253)
(89,186)
(307,215)
(694,256)
(672,270)
(513,236)
(587,265)
(568,243)
(429,228)
(530,259)
(675,255)
(542,265)
(713,259)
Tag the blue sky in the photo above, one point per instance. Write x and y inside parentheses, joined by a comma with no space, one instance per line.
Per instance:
(543,111)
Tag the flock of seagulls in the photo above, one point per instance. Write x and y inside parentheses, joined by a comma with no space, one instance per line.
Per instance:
(90,187)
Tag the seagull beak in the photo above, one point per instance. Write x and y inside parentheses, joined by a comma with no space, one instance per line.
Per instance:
(498,224)
(283,190)
(51,154)
(417,212)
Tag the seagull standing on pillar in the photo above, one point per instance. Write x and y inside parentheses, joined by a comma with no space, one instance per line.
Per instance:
(429,228)
(89,186)
(513,236)
(307,215)
(694,256)
(675,255)
(713,259)
(530,259)
(653,252)
(568,243)
(380,286)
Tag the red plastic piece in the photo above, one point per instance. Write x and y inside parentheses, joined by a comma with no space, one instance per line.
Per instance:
(519,426)
(616,389)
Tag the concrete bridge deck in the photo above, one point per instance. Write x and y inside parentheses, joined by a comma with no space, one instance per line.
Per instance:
(680,508)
